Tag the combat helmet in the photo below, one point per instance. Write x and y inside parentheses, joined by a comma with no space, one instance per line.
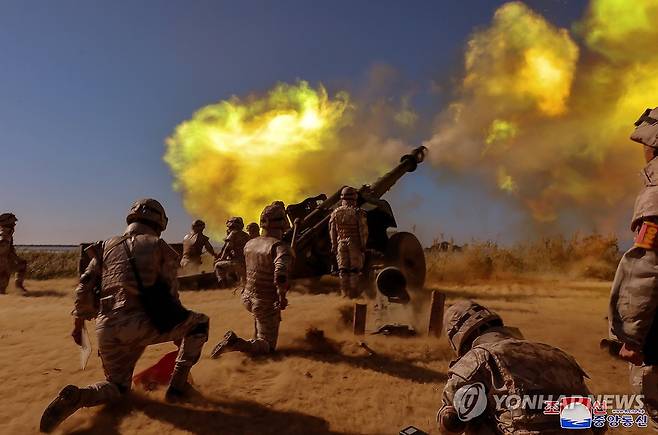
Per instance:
(464,321)
(273,217)
(348,194)
(7,220)
(235,223)
(646,128)
(198,224)
(150,210)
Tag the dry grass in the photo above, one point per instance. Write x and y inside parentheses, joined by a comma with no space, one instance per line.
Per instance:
(589,257)
(50,265)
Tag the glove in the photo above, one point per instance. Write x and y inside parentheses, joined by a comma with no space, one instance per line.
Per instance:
(632,354)
(283,302)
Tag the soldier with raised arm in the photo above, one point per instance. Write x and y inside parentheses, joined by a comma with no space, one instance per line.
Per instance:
(492,360)
(125,269)
(230,261)
(634,295)
(10,262)
(194,243)
(348,228)
(268,261)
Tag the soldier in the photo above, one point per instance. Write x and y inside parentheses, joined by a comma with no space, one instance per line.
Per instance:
(231,260)
(286,221)
(10,262)
(491,361)
(348,228)
(634,294)
(268,263)
(124,269)
(253,230)
(193,245)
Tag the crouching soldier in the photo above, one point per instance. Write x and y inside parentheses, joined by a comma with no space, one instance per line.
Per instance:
(268,261)
(230,265)
(137,306)
(10,262)
(492,362)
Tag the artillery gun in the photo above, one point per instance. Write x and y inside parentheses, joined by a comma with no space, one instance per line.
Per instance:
(395,261)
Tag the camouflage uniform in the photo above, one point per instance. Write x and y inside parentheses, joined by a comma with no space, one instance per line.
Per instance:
(231,260)
(123,328)
(489,354)
(348,227)
(634,294)
(193,244)
(268,261)
(10,262)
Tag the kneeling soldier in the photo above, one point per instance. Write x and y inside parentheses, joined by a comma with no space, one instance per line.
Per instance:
(126,268)
(268,261)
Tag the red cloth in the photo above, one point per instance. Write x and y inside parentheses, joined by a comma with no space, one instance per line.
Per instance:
(158,374)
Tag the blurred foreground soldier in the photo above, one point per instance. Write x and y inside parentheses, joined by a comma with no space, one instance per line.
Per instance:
(634,295)
(268,264)
(348,227)
(492,362)
(137,306)
(230,263)
(253,230)
(10,262)
(194,243)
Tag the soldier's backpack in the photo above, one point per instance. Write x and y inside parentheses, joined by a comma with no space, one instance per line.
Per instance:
(163,309)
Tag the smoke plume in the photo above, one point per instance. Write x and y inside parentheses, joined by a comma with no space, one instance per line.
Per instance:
(540,114)
(543,114)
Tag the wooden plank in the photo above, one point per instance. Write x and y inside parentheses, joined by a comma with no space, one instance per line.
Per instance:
(359,322)
(436,313)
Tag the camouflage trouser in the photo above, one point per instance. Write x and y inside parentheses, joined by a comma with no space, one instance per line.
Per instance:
(350,258)
(193,263)
(267,317)
(227,270)
(644,380)
(17,265)
(121,342)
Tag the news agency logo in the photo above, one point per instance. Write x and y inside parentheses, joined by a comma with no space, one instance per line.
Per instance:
(470,401)
(575,412)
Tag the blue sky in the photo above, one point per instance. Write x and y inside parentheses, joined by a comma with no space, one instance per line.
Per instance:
(90,90)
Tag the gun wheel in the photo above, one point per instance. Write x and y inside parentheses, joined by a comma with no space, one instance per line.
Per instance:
(405,252)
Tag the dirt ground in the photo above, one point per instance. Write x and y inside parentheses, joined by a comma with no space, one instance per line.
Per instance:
(336,388)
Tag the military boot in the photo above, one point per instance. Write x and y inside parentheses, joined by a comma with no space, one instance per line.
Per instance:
(65,404)
(344,284)
(178,384)
(230,343)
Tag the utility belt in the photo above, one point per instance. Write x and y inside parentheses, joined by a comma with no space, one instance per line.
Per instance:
(117,300)
(647,236)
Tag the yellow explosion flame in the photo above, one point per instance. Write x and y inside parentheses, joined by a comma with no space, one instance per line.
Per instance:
(548,122)
(234,157)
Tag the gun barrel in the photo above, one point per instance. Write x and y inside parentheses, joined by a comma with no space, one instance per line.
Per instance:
(319,217)
(408,163)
